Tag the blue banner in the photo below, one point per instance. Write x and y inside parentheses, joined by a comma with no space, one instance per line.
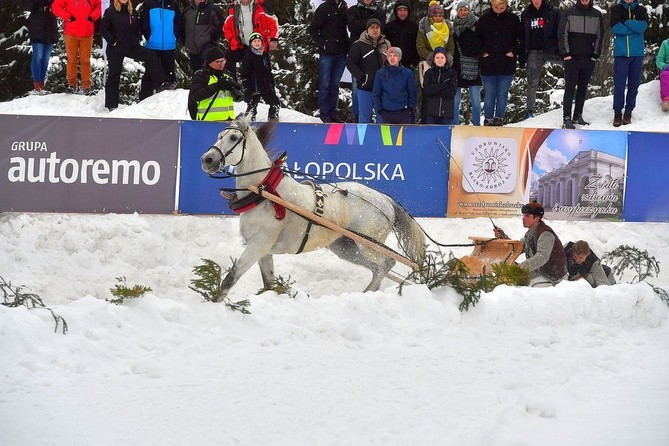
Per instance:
(647,185)
(405,162)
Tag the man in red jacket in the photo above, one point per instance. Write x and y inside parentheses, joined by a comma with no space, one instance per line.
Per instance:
(79,17)
(246,17)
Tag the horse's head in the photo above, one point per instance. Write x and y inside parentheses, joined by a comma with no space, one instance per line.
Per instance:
(228,149)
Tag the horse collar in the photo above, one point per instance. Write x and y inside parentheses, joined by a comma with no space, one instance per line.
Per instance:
(269,183)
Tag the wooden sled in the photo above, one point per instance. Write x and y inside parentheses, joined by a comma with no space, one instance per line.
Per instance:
(488,252)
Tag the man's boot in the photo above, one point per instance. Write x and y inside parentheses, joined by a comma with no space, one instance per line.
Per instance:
(617,119)
(273,113)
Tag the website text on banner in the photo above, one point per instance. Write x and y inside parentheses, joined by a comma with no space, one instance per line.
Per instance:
(66,164)
(575,174)
(404,162)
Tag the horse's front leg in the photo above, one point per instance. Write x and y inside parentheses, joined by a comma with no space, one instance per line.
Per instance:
(266,265)
(251,255)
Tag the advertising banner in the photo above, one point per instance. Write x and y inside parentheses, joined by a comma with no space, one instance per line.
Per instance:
(405,162)
(63,164)
(647,188)
(574,174)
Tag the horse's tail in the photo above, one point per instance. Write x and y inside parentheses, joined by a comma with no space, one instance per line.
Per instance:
(409,234)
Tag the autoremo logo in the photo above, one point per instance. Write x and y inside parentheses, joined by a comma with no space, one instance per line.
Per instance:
(490,165)
(354,134)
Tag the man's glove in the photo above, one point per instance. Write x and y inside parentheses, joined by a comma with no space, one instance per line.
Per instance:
(228,84)
(237,94)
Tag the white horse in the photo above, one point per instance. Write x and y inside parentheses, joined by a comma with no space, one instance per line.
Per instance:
(350,205)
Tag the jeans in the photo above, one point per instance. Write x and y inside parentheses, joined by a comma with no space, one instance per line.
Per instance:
(577,74)
(437,120)
(496,95)
(535,63)
(474,100)
(355,107)
(365,105)
(330,69)
(626,71)
(40,61)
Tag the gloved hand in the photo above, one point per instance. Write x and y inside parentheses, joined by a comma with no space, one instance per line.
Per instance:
(237,94)
(228,84)
(666,67)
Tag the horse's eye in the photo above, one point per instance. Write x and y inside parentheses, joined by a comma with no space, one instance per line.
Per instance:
(234,138)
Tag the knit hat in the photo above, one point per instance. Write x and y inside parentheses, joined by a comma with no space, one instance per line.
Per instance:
(213,54)
(396,51)
(434,8)
(401,4)
(254,36)
(373,21)
(442,50)
(462,4)
(533,208)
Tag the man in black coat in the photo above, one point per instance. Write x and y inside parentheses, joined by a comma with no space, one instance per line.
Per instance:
(328,31)
(580,34)
(402,32)
(540,21)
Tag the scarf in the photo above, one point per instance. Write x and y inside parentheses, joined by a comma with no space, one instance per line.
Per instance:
(438,34)
(462,25)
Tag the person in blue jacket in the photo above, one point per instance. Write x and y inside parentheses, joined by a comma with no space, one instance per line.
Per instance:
(395,91)
(162,25)
(629,21)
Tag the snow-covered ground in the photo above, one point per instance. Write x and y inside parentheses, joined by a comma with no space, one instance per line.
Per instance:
(570,365)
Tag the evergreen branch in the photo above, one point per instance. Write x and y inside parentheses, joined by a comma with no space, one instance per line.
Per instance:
(281,286)
(209,285)
(15,297)
(122,291)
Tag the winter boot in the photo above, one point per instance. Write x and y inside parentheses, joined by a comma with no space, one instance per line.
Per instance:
(252,110)
(580,121)
(567,123)
(617,119)
(37,87)
(627,118)
(665,104)
(273,113)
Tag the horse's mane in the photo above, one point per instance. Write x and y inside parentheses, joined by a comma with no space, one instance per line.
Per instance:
(264,132)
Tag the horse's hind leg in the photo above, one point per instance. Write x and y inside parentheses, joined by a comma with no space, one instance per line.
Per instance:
(266,265)
(377,263)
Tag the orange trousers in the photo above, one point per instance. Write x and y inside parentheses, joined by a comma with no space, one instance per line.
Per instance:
(78,51)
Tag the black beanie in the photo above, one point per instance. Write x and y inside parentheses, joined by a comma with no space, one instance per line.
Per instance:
(213,54)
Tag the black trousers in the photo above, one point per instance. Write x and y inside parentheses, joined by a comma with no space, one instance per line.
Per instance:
(577,74)
(234,57)
(115,61)
(148,85)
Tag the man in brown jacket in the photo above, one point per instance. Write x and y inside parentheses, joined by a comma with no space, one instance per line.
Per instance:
(544,256)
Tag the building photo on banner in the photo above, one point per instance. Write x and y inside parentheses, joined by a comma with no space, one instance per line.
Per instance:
(574,174)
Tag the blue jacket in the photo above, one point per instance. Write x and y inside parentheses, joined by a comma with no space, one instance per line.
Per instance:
(161,24)
(394,89)
(628,23)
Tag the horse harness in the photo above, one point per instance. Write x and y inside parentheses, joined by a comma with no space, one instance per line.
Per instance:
(270,184)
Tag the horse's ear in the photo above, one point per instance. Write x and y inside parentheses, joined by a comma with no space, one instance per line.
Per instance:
(243,121)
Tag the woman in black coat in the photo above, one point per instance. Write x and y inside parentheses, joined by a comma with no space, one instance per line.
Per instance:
(501,36)
(121,29)
(43,33)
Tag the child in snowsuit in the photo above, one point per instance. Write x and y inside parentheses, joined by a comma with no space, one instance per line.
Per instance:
(258,80)
(662,62)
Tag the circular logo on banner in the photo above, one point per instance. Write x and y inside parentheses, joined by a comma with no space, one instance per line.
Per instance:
(490,165)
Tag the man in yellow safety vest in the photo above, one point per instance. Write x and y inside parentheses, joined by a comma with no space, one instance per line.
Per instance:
(213,89)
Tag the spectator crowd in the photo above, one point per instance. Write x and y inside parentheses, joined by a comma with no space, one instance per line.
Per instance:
(406,66)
